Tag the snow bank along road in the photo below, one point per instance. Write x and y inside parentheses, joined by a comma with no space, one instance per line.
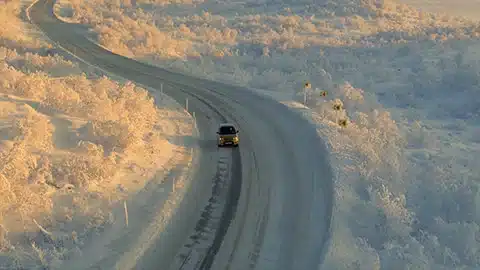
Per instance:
(278,202)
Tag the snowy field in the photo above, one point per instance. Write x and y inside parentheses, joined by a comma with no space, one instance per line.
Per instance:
(463,8)
(74,145)
(405,138)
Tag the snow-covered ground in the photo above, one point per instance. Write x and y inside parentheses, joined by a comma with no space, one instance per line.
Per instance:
(464,8)
(407,159)
(74,146)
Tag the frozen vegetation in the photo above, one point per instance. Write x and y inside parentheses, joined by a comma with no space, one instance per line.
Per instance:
(72,145)
(463,8)
(406,82)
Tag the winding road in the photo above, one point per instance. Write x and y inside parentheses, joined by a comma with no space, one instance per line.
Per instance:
(266,205)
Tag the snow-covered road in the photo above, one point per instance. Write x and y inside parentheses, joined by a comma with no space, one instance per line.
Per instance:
(271,202)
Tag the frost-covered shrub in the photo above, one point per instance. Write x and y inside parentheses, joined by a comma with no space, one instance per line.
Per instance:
(112,135)
(419,137)
(136,37)
(20,201)
(52,65)
(410,200)
(60,98)
(13,36)
(57,178)
(370,188)
(373,133)
(39,159)
(158,35)
(82,170)
(35,129)
(118,118)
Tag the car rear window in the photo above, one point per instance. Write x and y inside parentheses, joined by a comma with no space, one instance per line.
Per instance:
(227,130)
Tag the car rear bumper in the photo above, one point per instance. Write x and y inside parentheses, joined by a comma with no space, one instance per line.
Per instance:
(228,144)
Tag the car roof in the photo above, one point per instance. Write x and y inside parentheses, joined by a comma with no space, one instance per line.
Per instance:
(227,125)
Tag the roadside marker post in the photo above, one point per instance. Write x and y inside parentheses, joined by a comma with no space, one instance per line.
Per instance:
(126,212)
(305,87)
(161,91)
(194,119)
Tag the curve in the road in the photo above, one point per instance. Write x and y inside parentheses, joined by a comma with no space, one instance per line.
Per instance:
(278,214)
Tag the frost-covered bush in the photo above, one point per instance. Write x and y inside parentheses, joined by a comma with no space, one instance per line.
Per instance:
(371,193)
(14,36)
(21,201)
(112,135)
(275,52)
(406,203)
(82,170)
(119,120)
(142,30)
(372,132)
(34,62)
(64,135)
